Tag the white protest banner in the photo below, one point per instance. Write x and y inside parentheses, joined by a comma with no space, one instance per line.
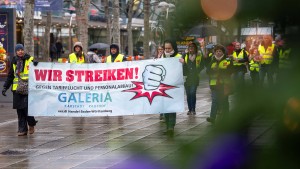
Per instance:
(106,89)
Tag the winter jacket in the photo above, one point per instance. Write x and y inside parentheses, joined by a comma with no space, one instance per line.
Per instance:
(19,101)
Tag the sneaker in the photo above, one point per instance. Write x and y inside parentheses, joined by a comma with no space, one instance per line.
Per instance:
(193,112)
(22,133)
(211,120)
(31,129)
(189,113)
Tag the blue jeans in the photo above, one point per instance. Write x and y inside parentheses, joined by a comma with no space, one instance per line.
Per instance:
(191,96)
(219,102)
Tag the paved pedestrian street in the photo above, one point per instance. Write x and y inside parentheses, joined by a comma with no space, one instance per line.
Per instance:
(110,142)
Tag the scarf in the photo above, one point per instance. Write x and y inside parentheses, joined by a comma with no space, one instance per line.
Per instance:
(219,58)
(20,65)
(169,54)
(192,57)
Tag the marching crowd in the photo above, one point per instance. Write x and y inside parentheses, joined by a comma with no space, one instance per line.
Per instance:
(226,70)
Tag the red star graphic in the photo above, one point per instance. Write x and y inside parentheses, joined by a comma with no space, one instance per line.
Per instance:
(149,94)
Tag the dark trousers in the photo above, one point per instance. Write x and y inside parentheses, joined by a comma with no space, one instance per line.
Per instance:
(24,119)
(219,102)
(191,96)
(255,78)
(266,70)
(170,119)
(58,54)
(239,79)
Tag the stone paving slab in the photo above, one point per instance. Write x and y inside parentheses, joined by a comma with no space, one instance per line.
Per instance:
(102,142)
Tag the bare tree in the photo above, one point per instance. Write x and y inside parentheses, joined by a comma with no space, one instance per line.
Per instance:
(129,27)
(47,36)
(82,22)
(108,24)
(146,29)
(116,23)
(28,27)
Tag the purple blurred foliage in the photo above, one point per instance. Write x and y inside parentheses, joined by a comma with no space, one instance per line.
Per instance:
(227,151)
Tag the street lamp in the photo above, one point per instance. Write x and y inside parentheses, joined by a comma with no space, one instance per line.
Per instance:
(167,7)
(257,21)
(271,24)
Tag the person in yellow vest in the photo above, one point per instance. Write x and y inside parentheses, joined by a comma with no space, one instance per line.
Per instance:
(191,69)
(285,62)
(77,56)
(269,60)
(219,72)
(19,69)
(254,63)
(115,55)
(240,59)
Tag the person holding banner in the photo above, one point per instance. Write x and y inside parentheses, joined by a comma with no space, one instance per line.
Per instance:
(115,56)
(77,56)
(171,50)
(153,76)
(19,70)
(159,54)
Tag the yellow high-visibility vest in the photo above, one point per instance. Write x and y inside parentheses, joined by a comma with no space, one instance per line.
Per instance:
(284,59)
(178,55)
(198,60)
(23,75)
(240,56)
(73,58)
(119,58)
(223,65)
(253,66)
(267,56)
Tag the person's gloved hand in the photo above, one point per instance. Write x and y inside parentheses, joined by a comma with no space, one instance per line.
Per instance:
(35,63)
(4,91)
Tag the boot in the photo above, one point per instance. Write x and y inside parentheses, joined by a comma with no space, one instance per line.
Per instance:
(31,129)
(22,133)
(211,120)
